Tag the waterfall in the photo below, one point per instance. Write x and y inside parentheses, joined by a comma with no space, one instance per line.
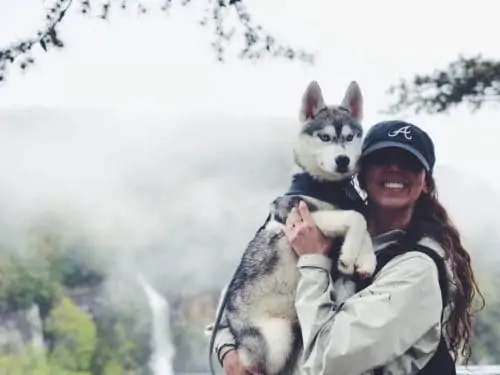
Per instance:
(36,328)
(163,348)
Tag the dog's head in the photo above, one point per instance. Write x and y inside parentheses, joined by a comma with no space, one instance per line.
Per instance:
(329,144)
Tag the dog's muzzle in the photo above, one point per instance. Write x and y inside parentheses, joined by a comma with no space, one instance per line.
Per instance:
(342,163)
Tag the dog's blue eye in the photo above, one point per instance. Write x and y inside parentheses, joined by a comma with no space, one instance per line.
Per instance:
(349,138)
(324,137)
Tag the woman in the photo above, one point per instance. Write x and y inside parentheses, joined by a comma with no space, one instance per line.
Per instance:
(394,325)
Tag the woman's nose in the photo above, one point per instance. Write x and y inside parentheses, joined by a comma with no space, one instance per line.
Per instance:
(394,167)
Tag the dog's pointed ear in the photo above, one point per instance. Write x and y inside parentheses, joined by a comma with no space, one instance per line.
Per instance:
(312,101)
(353,101)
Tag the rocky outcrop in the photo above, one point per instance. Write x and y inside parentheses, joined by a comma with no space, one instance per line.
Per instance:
(20,328)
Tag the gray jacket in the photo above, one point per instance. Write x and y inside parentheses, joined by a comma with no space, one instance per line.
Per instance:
(395,322)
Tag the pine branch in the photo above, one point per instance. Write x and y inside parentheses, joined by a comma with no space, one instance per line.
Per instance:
(474,81)
(257,42)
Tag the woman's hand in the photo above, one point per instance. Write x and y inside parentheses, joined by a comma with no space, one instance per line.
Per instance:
(303,234)
(233,366)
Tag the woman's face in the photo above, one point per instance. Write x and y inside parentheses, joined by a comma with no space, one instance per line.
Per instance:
(394,178)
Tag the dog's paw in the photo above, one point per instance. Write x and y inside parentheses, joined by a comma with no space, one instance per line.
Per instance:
(347,260)
(365,265)
(366,261)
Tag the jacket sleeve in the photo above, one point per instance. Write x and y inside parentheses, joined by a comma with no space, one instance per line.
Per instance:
(224,339)
(371,328)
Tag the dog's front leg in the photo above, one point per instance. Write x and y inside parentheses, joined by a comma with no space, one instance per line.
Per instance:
(352,226)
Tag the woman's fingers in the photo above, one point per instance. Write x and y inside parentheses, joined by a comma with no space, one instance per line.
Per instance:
(293,219)
(304,213)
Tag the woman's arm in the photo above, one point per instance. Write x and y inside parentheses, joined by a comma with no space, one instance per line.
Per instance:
(224,339)
(224,345)
(374,326)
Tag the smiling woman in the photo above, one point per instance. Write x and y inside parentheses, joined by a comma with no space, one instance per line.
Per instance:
(418,309)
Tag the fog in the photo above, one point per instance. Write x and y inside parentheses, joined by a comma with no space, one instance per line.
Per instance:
(174,198)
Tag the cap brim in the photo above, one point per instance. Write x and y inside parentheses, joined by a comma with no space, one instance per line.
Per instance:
(388,144)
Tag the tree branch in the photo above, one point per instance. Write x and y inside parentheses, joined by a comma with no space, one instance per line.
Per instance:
(256,41)
(473,80)
(45,38)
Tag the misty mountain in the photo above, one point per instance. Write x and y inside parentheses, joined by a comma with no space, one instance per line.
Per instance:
(174,198)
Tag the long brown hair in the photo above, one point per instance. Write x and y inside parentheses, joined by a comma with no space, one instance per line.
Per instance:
(431,219)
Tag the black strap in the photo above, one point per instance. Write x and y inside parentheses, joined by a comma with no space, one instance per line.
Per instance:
(441,268)
(441,363)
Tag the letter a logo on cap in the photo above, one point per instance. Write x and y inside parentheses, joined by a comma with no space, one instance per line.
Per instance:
(405,130)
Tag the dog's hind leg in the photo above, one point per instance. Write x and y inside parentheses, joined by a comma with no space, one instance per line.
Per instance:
(267,347)
(252,349)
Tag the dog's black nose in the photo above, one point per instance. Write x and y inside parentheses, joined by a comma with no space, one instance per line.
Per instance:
(342,162)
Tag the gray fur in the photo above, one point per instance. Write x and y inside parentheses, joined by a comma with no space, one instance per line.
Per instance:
(260,300)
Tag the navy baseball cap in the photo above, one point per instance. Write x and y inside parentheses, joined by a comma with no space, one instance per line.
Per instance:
(403,135)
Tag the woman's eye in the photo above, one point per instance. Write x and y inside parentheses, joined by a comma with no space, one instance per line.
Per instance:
(324,137)
(349,138)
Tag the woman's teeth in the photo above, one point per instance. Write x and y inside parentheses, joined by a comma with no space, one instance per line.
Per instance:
(393,185)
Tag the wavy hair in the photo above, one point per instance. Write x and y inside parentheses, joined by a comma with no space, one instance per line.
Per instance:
(430,219)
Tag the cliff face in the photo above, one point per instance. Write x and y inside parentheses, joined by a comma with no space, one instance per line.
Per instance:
(19,328)
(26,327)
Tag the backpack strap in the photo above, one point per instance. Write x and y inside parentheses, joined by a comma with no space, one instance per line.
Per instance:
(442,272)
(441,363)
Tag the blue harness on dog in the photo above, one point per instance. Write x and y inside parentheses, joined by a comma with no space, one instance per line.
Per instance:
(341,194)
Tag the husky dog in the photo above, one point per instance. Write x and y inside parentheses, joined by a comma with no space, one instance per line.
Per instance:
(260,299)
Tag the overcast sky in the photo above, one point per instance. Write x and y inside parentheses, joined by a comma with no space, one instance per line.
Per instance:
(167,63)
